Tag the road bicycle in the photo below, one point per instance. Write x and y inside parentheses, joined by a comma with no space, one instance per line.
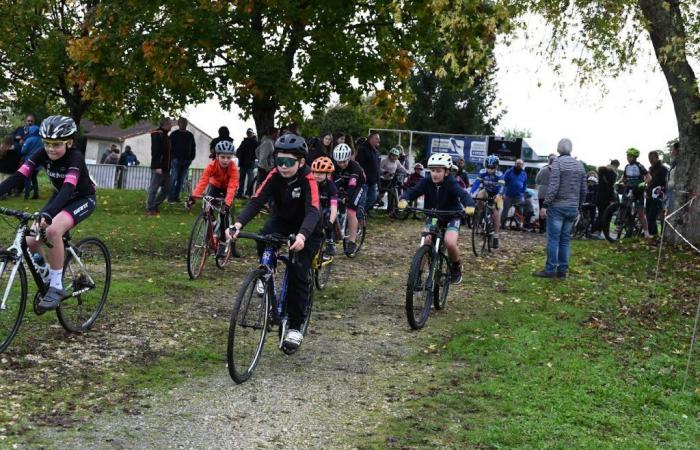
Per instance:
(621,219)
(482,226)
(204,238)
(429,276)
(393,189)
(322,264)
(342,230)
(87,274)
(584,221)
(260,306)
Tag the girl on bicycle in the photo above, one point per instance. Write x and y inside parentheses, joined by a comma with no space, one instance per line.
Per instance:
(220,179)
(323,168)
(296,210)
(441,192)
(72,202)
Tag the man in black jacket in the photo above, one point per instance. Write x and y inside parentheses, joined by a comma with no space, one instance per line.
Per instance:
(656,191)
(246,163)
(160,167)
(368,158)
(184,149)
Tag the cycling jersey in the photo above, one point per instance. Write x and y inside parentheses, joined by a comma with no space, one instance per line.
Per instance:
(328,194)
(493,183)
(295,200)
(634,174)
(351,183)
(220,178)
(68,175)
(446,196)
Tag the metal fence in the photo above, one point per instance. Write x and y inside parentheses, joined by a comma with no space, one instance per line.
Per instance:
(109,176)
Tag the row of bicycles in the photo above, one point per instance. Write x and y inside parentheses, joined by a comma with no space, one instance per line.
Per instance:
(620,220)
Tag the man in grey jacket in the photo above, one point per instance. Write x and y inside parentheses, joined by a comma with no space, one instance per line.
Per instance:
(542,181)
(265,154)
(565,194)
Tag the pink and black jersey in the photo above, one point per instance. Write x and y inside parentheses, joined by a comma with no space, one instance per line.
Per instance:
(70,168)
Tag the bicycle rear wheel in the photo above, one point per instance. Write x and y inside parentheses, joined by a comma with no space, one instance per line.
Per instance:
(479,235)
(87,282)
(198,247)
(419,288)
(248,327)
(11,315)
(613,222)
(442,282)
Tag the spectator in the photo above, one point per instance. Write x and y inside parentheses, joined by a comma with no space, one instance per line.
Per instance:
(454,170)
(284,130)
(293,128)
(607,176)
(656,191)
(128,158)
(565,195)
(32,144)
(224,135)
(322,148)
(675,153)
(516,185)
(542,181)
(368,158)
(21,132)
(9,158)
(246,163)
(113,156)
(265,154)
(184,149)
(160,167)
(462,172)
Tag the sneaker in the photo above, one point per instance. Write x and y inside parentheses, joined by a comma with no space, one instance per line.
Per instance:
(292,339)
(350,248)
(173,201)
(330,248)
(151,212)
(52,298)
(456,273)
(221,250)
(543,274)
(561,275)
(494,243)
(597,236)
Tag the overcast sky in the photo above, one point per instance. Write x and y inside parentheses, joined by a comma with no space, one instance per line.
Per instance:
(636,110)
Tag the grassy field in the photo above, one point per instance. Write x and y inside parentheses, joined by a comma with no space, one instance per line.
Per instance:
(592,362)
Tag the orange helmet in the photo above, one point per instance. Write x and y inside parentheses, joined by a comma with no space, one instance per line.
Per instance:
(322,164)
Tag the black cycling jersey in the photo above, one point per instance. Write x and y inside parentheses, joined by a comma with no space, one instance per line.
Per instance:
(350,178)
(328,193)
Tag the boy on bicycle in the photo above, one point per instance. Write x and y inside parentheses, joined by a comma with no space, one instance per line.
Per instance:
(72,202)
(220,178)
(490,184)
(350,181)
(296,210)
(322,168)
(441,192)
(633,179)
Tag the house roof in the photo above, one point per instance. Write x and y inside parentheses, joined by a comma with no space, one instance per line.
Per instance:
(116,133)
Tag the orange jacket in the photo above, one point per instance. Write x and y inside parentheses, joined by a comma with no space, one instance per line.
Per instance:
(220,178)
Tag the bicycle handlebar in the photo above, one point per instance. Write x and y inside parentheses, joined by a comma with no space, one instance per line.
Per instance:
(437,212)
(274,238)
(25,217)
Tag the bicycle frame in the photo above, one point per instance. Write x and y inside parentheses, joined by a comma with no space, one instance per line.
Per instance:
(268,261)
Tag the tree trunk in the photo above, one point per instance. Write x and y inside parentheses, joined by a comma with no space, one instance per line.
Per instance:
(264,111)
(668,36)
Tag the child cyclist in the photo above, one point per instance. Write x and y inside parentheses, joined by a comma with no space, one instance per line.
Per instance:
(72,202)
(350,181)
(322,168)
(294,192)
(220,179)
(441,192)
(490,184)
(633,179)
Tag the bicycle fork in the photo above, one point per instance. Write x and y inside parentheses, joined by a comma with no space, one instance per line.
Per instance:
(10,282)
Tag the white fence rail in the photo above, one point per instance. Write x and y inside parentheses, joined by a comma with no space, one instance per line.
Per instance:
(109,176)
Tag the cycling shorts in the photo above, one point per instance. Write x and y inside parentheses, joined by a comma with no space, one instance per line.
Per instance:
(452,224)
(354,197)
(637,196)
(80,208)
(483,194)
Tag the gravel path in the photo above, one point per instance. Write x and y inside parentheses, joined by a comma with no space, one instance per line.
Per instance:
(352,362)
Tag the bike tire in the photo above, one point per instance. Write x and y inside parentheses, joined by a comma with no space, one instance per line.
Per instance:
(78,314)
(322,270)
(198,247)
(419,294)
(479,234)
(248,327)
(16,304)
(611,223)
(441,287)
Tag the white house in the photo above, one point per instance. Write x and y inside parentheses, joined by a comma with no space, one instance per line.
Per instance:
(99,139)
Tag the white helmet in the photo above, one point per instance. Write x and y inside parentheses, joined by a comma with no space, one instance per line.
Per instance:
(395,151)
(342,152)
(440,160)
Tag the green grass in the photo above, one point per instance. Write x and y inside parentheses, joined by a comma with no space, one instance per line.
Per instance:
(592,362)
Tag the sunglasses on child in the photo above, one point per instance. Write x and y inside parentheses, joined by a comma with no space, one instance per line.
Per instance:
(285,161)
(52,143)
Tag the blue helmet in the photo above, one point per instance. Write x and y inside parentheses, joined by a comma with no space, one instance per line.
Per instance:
(492,160)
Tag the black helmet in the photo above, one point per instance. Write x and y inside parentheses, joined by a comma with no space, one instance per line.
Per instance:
(58,127)
(291,143)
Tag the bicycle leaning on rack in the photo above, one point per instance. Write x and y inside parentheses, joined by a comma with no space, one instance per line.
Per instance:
(204,238)
(261,304)
(429,277)
(87,273)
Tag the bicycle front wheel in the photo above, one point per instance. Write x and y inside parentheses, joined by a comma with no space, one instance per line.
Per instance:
(613,222)
(419,288)
(15,302)
(323,266)
(198,247)
(248,326)
(479,234)
(442,282)
(86,280)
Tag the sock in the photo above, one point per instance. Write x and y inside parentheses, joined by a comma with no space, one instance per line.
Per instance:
(55,278)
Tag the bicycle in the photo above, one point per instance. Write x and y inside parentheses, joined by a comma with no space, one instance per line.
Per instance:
(433,283)
(322,263)
(260,305)
(393,190)
(87,272)
(584,221)
(482,227)
(204,238)
(342,229)
(620,219)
